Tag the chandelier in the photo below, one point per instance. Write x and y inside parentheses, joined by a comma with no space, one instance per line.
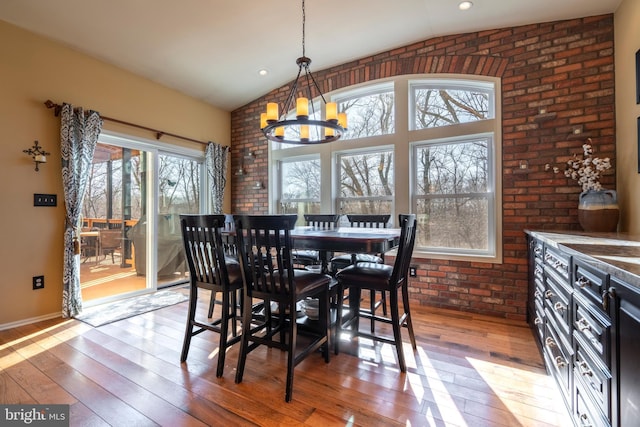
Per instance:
(305,128)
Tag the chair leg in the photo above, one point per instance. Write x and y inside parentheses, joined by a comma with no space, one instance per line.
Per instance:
(395,318)
(407,319)
(291,350)
(193,299)
(244,341)
(325,315)
(212,304)
(372,308)
(224,333)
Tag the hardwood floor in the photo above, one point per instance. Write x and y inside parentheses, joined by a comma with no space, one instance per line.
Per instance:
(468,370)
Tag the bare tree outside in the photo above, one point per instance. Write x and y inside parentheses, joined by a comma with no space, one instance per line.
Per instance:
(300,187)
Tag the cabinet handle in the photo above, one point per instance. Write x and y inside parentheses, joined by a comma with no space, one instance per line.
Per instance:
(537,321)
(537,294)
(549,342)
(609,293)
(559,306)
(583,325)
(582,282)
(584,421)
(584,369)
(548,294)
(560,362)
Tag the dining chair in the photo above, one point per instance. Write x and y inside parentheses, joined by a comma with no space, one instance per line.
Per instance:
(344,260)
(381,277)
(212,269)
(305,257)
(264,246)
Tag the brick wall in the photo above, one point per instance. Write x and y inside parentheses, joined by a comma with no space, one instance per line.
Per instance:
(565,67)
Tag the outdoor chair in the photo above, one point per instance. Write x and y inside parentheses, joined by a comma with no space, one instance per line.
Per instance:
(110,242)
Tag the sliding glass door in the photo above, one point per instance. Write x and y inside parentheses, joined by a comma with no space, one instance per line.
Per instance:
(130,232)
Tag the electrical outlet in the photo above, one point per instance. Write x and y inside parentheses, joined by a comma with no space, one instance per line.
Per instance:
(38,282)
(413,271)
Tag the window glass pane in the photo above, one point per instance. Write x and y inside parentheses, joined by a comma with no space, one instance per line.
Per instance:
(369,115)
(456,168)
(366,182)
(300,180)
(439,106)
(459,222)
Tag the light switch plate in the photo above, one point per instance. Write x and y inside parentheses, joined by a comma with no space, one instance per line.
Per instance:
(45,200)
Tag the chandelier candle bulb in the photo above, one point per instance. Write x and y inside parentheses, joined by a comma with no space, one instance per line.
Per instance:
(263,120)
(279,132)
(342,120)
(332,111)
(272,111)
(328,132)
(304,132)
(302,107)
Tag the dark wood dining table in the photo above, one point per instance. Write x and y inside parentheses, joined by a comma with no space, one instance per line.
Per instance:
(345,239)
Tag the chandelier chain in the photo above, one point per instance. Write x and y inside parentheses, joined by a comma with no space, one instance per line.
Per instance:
(304,20)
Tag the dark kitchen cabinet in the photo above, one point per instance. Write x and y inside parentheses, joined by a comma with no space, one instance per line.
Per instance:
(585,316)
(625,300)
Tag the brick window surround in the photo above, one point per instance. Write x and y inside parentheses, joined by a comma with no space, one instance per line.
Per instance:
(564,67)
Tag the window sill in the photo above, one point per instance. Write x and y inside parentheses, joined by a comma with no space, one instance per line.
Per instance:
(424,255)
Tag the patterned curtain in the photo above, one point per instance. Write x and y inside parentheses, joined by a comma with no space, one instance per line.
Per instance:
(78,138)
(216,165)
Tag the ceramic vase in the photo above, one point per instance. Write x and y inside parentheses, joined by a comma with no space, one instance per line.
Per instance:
(598,210)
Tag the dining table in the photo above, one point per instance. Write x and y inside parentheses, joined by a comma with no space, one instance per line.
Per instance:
(344,239)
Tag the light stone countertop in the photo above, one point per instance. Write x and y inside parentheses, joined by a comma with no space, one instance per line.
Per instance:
(615,253)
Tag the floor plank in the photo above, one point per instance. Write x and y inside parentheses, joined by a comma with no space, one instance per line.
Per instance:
(468,370)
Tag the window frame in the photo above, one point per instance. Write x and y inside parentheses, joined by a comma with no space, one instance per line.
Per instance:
(402,142)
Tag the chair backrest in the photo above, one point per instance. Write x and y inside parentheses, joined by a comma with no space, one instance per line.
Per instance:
(204,248)
(110,239)
(328,221)
(405,249)
(369,221)
(264,247)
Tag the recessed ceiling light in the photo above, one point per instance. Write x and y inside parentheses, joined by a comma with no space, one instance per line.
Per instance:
(263,72)
(465,5)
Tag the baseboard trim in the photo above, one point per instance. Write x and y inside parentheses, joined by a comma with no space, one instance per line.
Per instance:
(28,321)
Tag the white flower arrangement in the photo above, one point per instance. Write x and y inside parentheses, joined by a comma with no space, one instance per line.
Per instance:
(586,171)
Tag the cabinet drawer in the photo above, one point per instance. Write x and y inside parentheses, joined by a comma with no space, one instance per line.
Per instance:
(557,302)
(557,262)
(590,283)
(585,412)
(592,328)
(558,359)
(538,320)
(595,378)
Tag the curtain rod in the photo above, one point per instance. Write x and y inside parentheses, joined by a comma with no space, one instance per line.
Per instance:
(57,108)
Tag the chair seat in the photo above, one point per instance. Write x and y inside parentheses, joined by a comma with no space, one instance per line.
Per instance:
(369,275)
(307,282)
(341,261)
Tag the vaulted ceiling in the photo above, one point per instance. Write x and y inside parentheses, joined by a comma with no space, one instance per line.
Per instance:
(214,49)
